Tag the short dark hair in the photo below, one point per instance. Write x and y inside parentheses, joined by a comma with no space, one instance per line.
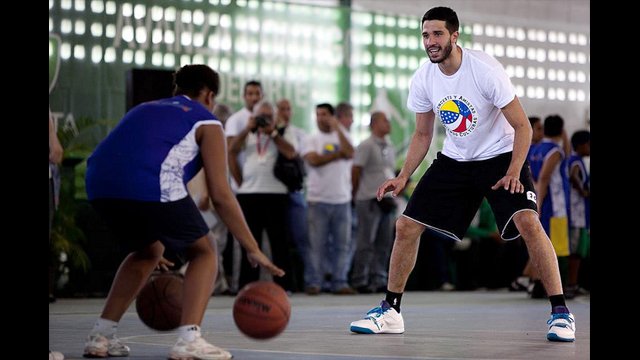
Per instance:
(553,125)
(191,79)
(445,14)
(327,106)
(534,120)
(252,83)
(580,137)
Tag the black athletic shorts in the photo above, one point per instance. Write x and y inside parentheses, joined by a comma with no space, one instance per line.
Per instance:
(449,194)
(137,224)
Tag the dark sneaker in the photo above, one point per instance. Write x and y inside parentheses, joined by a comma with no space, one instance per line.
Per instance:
(536,290)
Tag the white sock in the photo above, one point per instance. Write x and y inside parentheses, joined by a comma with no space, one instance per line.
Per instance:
(105,327)
(189,332)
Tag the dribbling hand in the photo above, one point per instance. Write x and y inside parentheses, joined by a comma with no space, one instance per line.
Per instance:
(163,264)
(258,258)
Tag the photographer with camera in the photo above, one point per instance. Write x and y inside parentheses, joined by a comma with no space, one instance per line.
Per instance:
(260,189)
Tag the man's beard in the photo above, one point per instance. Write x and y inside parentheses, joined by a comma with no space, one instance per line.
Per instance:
(445,54)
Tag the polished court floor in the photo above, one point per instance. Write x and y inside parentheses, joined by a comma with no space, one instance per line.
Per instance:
(438,325)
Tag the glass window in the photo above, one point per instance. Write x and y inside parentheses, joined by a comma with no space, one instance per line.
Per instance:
(110,55)
(79,5)
(78,52)
(97,6)
(140,57)
(477,29)
(489,30)
(96,29)
(96,54)
(79,27)
(551,94)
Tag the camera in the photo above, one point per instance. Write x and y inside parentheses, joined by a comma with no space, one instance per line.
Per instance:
(262,121)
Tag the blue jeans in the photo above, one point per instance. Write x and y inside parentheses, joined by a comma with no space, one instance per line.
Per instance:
(298,227)
(327,262)
(327,220)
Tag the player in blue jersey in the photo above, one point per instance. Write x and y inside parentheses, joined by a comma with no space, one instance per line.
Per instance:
(136,179)
(579,206)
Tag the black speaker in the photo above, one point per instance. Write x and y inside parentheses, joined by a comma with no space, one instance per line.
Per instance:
(148,84)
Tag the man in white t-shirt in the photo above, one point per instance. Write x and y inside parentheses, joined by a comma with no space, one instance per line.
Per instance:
(329,202)
(484,155)
(236,123)
(262,197)
(344,115)
(233,126)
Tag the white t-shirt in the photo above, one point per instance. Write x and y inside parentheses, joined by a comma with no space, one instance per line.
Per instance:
(468,104)
(257,172)
(234,125)
(299,136)
(237,122)
(331,182)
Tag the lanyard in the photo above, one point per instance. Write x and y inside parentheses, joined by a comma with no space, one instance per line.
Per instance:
(262,150)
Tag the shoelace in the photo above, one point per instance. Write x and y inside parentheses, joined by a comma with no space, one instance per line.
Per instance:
(113,339)
(376,312)
(560,316)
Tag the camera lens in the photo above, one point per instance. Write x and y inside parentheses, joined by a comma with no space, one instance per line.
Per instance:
(262,121)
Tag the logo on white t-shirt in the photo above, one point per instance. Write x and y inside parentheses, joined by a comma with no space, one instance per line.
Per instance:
(458,115)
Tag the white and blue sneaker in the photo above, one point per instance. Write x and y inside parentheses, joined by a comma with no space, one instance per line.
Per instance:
(381,319)
(562,327)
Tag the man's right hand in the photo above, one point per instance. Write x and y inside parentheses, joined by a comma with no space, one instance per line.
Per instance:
(395,185)
(258,258)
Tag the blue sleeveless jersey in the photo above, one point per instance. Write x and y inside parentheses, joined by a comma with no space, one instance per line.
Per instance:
(151,154)
(556,202)
(580,207)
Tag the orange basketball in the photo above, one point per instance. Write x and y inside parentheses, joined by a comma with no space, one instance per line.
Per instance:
(261,310)
(159,304)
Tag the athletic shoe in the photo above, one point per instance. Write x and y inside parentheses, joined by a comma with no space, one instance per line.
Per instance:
(381,319)
(199,348)
(562,327)
(536,290)
(519,284)
(55,355)
(312,290)
(569,291)
(347,290)
(99,346)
